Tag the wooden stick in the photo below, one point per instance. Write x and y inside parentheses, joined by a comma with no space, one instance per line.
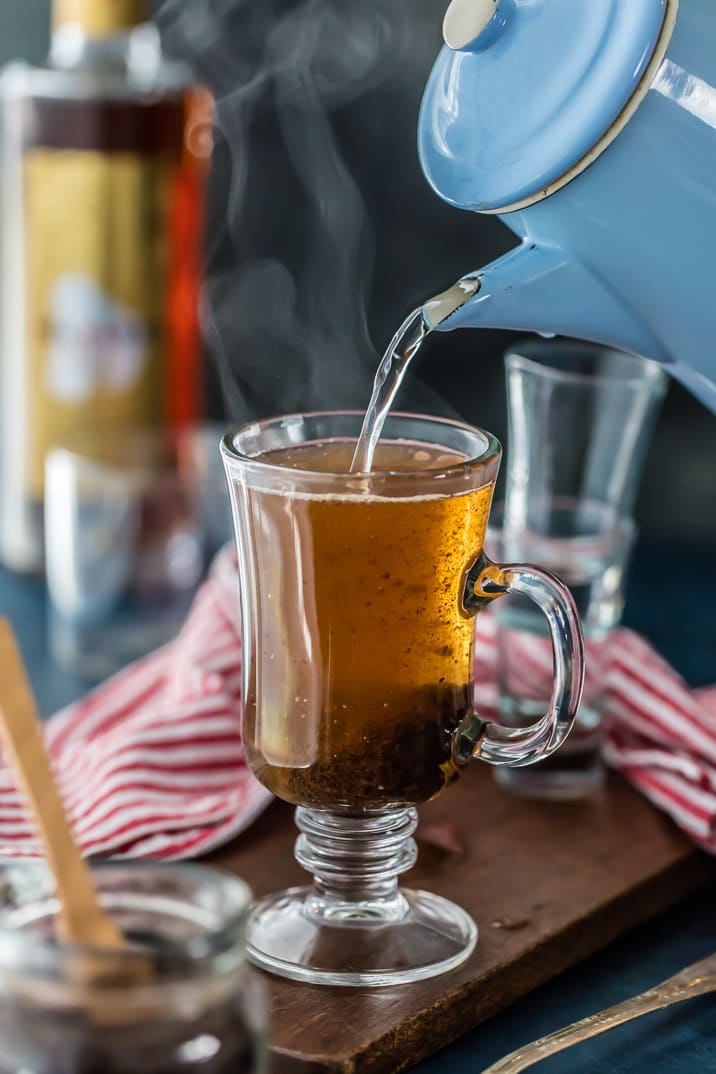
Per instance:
(81,920)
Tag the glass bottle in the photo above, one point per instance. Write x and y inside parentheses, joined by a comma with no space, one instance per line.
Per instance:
(101,194)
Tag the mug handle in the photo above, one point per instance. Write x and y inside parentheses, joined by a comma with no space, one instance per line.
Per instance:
(521,746)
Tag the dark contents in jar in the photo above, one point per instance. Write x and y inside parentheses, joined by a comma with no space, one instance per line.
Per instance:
(37,1040)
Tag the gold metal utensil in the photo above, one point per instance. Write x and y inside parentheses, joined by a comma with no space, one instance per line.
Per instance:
(695,980)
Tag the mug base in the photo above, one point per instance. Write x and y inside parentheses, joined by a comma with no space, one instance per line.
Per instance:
(417,935)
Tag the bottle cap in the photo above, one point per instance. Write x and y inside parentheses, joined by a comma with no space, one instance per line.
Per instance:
(101,17)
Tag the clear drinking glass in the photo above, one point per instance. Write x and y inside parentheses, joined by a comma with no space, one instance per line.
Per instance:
(130,529)
(195,1005)
(581,419)
(359,594)
(580,423)
(588,546)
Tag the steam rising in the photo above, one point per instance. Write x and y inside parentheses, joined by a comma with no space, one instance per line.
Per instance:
(286,300)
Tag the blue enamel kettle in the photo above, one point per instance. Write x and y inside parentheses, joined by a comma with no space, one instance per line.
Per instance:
(589,126)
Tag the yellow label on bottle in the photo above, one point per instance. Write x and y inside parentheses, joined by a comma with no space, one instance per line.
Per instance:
(96,273)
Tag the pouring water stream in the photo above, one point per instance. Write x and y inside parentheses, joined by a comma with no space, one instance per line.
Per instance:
(397,359)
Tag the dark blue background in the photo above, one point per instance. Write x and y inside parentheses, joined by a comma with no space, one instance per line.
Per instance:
(420,244)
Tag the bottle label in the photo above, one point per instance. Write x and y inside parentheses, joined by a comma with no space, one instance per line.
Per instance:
(96,271)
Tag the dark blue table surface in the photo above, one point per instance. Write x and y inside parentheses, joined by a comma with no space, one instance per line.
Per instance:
(672,600)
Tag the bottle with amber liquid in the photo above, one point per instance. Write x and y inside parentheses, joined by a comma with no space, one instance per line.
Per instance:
(102,161)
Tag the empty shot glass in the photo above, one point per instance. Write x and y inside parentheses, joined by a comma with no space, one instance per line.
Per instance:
(588,546)
(580,423)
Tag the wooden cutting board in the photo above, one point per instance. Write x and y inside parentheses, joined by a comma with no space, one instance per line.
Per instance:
(547,883)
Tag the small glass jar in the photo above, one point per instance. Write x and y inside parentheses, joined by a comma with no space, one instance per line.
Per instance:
(180,998)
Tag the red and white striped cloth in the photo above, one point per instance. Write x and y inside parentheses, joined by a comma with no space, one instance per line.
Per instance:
(151,763)
(659,734)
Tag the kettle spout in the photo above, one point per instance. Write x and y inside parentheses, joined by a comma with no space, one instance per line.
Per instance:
(537,288)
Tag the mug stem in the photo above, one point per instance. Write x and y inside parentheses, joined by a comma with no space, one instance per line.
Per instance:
(354,926)
(356,862)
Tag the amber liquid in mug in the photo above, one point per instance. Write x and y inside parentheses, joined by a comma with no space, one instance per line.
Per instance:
(365,649)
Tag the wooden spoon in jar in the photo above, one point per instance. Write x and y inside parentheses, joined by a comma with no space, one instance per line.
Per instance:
(82,921)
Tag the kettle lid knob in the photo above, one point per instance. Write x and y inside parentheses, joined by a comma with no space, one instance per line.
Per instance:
(471,25)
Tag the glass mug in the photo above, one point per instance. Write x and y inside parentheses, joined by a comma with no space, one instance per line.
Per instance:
(358,599)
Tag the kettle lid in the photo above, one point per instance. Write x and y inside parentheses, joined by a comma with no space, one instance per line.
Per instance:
(524,89)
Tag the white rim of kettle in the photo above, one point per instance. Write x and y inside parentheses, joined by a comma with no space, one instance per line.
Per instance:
(617,126)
